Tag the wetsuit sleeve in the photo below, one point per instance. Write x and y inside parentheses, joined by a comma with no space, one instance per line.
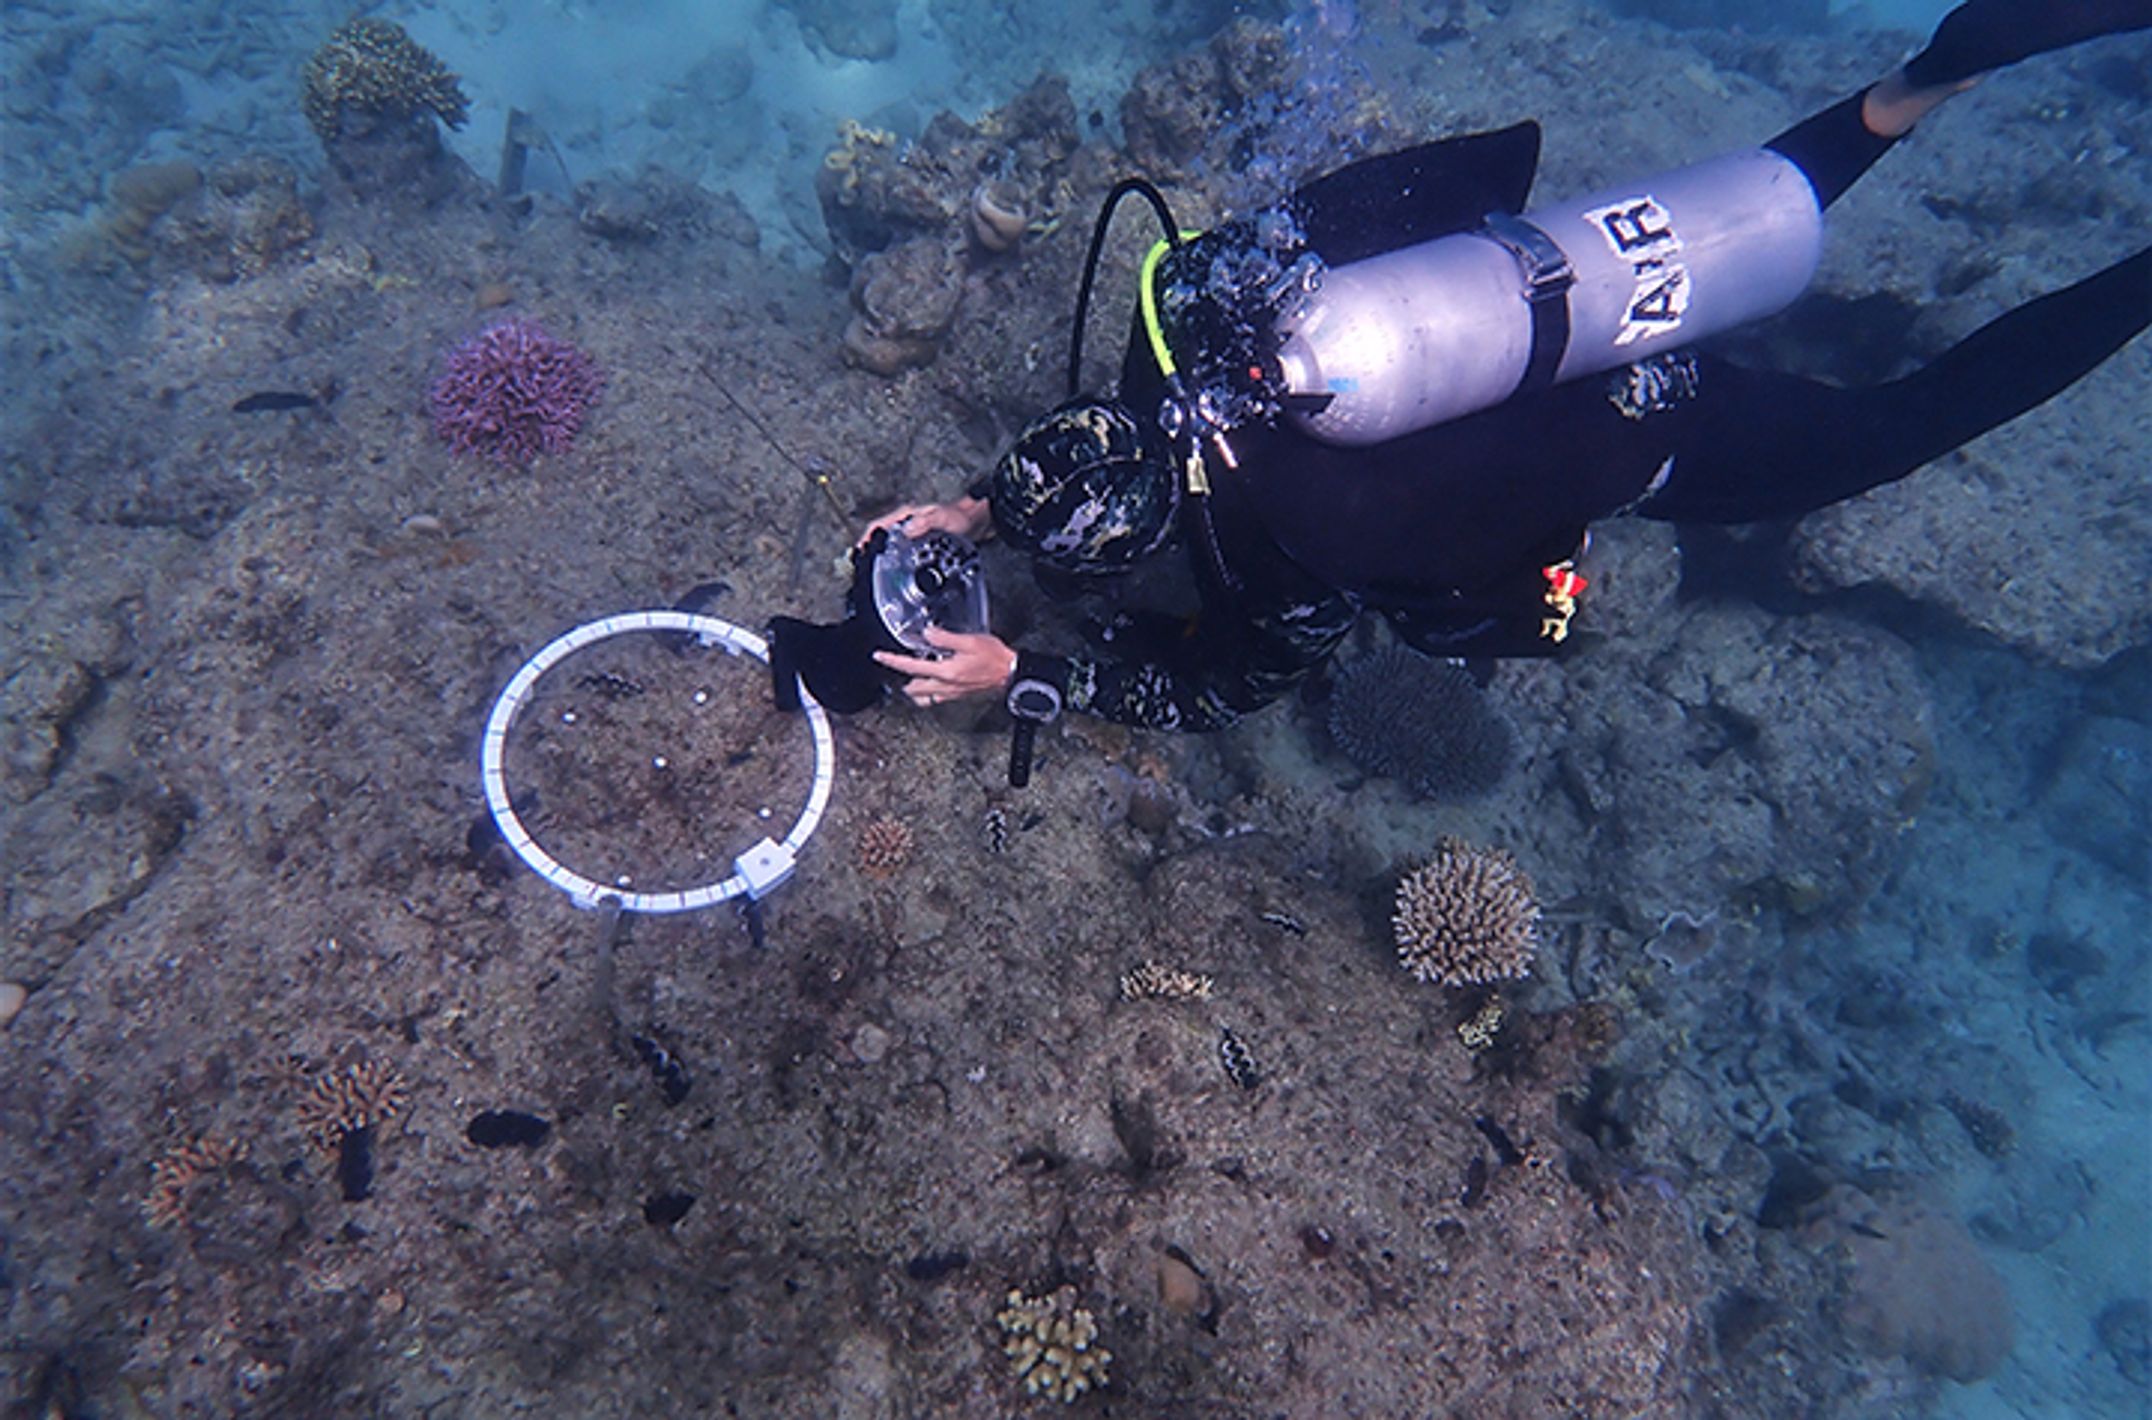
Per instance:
(1206,673)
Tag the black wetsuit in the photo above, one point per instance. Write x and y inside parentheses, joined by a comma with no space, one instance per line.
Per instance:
(1448,530)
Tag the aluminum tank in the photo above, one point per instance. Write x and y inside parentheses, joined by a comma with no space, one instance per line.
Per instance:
(1431,332)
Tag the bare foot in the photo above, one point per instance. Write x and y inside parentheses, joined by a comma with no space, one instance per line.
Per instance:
(1893,105)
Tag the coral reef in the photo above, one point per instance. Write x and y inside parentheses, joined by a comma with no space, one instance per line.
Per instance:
(1155,981)
(1466,916)
(1050,1344)
(172,1178)
(906,299)
(514,392)
(1811,773)
(363,1096)
(1988,1127)
(2125,1331)
(885,846)
(1422,721)
(655,205)
(372,67)
(905,214)
(877,191)
(1262,108)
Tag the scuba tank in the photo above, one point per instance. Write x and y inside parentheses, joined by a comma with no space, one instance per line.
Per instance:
(1397,342)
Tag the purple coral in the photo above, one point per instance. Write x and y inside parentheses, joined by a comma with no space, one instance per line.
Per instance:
(513,392)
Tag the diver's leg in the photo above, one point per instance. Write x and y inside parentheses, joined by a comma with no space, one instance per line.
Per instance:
(1836,146)
(1984,35)
(1759,445)
(1833,148)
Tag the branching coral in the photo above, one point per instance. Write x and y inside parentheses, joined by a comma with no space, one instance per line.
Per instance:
(514,392)
(1155,981)
(372,66)
(1424,721)
(1466,916)
(1051,1344)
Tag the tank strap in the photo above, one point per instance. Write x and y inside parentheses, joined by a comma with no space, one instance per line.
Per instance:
(1547,279)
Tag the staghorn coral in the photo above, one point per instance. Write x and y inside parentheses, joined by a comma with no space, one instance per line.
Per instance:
(1404,716)
(885,846)
(341,1102)
(172,1178)
(514,392)
(1050,1343)
(1466,916)
(1155,981)
(372,66)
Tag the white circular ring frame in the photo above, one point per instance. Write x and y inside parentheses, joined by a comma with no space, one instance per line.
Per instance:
(587,892)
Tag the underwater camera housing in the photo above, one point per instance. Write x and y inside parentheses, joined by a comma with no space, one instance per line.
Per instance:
(900,587)
(903,585)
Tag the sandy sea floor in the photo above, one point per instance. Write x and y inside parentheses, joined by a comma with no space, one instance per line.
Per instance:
(1829,1084)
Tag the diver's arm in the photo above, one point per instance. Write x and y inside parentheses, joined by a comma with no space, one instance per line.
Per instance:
(1206,680)
(1215,674)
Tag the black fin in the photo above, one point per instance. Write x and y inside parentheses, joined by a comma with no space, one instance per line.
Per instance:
(1382,203)
(1988,34)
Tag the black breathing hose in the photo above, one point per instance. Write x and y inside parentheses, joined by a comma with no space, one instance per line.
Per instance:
(1120,190)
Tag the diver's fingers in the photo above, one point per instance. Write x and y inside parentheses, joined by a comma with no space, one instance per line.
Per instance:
(894,518)
(919,668)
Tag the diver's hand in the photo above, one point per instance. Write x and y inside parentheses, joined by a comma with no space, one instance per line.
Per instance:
(978,663)
(966,517)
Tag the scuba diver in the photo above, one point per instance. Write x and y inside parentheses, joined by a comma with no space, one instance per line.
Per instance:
(1402,391)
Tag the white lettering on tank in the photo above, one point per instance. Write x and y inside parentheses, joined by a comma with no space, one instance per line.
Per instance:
(1641,232)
